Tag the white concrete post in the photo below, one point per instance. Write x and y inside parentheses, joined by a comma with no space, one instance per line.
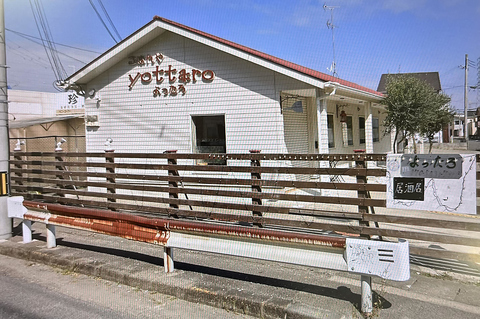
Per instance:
(366,302)
(322,130)
(26,231)
(168,259)
(368,128)
(51,239)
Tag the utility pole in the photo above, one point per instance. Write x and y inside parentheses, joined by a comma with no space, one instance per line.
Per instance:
(5,222)
(465,100)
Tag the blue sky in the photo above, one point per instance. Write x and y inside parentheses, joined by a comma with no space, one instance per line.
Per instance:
(371,36)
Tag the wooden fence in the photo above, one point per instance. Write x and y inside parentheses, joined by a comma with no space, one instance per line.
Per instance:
(335,194)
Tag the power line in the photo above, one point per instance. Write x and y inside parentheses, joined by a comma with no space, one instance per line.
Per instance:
(64,54)
(46,36)
(26,56)
(109,20)
(23,35)
(103,22)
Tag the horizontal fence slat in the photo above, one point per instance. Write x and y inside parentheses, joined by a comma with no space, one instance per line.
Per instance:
(244,156)
(447,254)
(206,192)
(429,222)
(210,204)
(211,180)
(214,168)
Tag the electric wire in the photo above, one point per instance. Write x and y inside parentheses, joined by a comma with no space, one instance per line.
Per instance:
(27,36)
(103,22)
(51,45)
(109,20)
(46,37)
(59,52)
(26,55)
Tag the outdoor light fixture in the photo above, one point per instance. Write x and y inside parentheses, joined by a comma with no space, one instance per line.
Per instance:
(343,115)
(108,145)
(91,93)
(18,145)
(59,145)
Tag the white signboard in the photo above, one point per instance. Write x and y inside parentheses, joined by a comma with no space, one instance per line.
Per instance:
(434,182)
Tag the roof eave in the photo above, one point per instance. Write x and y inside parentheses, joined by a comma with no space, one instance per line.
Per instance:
(157,27)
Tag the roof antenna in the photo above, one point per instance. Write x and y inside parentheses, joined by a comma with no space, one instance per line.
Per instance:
(330,25)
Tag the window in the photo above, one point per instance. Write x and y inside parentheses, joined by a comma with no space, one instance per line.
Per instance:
(209,136)
(375,129)
(349,130)
(361,129)
(331,137)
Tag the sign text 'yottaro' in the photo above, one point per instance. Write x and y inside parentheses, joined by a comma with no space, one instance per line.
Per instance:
(175,80)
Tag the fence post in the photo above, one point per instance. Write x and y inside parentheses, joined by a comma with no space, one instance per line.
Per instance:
(171,160)
(110,159)
(366,281)
(361,193)
(256,188)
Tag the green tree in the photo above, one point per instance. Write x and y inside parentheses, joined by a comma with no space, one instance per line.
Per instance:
(414,107)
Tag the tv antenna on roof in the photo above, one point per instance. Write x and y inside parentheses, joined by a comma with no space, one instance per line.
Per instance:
(330,25)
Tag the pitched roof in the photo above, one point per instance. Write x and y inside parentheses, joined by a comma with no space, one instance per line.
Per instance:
(121,47)
(287,64)
(432,78)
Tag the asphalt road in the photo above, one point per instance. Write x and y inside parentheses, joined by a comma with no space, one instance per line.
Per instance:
(34,291)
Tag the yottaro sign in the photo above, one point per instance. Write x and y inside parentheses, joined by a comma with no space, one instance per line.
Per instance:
(174,79)
(434,182)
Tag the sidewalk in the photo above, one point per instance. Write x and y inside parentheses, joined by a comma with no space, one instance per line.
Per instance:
(254,287)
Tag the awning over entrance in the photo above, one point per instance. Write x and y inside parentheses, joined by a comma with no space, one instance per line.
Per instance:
(41,120)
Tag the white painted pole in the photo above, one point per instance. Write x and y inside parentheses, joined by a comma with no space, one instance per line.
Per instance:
(168,259)
(51,238)
(367,305)
(5,221)
(26,231)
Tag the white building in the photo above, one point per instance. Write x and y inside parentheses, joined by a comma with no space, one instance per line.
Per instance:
(39,118)
(171,87)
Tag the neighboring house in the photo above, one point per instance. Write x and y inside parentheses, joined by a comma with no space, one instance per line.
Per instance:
(458,126)
(170,87)
(432,78)
(39,119)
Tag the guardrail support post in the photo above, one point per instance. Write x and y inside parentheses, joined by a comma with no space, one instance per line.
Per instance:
(51,239)
(172,184)
(26,231)
(366,297)
(367,305)
(168,259)
(110,159)
(256,188)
